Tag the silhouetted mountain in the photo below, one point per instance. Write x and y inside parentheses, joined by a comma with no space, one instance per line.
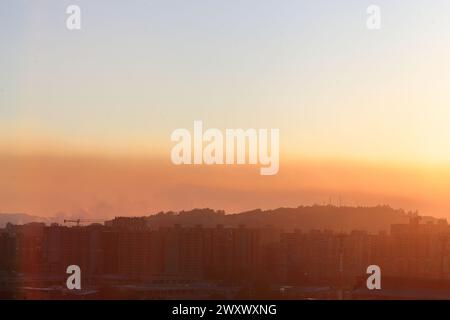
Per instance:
(19,218)
(371,219)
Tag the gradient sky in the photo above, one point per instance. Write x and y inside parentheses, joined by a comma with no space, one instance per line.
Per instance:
(373,100)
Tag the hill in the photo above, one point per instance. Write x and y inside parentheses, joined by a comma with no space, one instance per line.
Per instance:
(19,218)
(371,219)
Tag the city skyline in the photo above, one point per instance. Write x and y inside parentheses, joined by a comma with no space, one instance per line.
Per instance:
(131,258)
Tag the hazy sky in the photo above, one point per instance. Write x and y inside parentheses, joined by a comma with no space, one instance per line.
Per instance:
(137,70)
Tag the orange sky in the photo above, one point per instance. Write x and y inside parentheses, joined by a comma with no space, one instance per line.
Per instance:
(373,106)
(105,186)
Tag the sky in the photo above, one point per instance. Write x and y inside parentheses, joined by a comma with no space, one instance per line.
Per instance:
(363,114)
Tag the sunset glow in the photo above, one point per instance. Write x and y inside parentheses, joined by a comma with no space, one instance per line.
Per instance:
(85,127)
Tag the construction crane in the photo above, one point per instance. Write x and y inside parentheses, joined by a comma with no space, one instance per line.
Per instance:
(78,221)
